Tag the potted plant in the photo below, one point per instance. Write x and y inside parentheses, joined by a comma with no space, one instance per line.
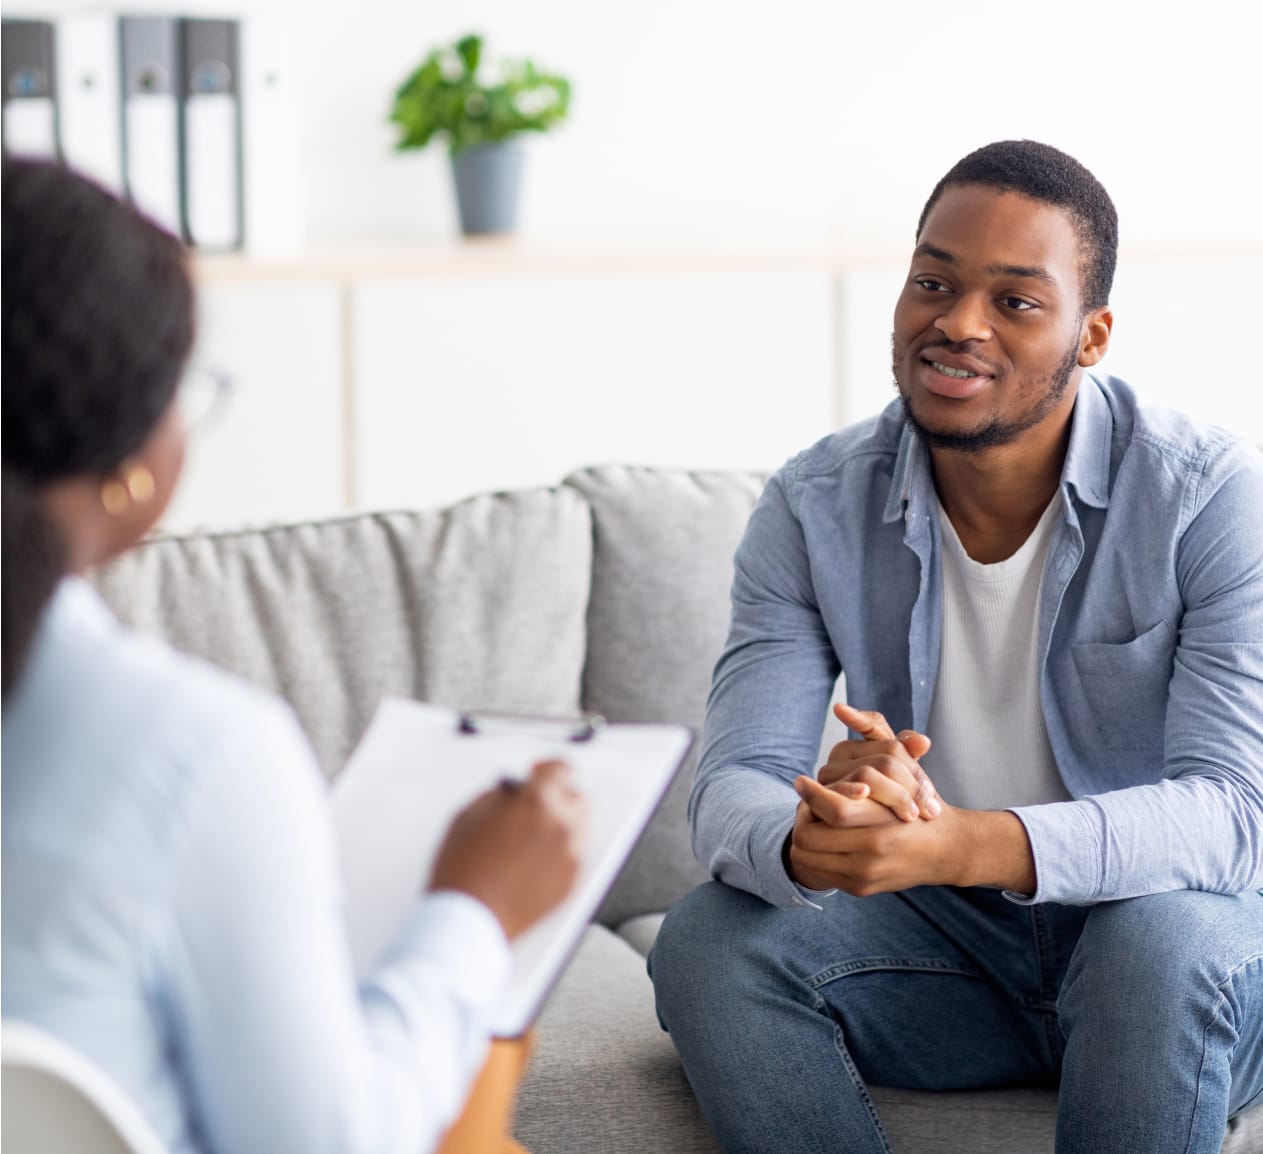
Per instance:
(481,108)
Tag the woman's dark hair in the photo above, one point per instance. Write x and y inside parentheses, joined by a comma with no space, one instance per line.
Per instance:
(98,321)
(31,563)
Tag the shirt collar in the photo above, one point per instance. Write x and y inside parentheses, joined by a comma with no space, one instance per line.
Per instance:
(1086,469)
(76,610)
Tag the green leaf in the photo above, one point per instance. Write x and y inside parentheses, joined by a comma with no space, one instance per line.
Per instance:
(469,49)
(433,103)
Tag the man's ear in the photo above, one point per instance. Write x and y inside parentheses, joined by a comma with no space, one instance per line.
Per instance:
(1095,339)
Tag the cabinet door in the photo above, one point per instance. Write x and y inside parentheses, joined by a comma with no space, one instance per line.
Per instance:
(499,381)
(275,451)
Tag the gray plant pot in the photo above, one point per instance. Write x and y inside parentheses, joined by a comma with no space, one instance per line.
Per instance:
(488,178)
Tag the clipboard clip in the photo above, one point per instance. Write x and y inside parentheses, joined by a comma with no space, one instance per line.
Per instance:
(576,729)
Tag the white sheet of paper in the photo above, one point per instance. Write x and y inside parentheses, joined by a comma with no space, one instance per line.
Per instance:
(414,771)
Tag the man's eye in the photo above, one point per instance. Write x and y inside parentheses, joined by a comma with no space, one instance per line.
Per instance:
(934,286)
(1017,304)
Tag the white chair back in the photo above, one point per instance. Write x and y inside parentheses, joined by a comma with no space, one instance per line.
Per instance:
(57,1102)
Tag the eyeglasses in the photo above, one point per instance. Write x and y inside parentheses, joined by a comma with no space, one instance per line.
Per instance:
(203,395)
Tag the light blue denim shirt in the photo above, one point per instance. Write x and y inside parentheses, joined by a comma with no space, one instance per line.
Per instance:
(173,910)
(1150,649)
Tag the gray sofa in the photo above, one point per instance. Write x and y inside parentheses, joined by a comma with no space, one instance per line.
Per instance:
(607,593)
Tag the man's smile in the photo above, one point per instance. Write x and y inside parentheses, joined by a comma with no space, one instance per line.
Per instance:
(947,370)
(951,375)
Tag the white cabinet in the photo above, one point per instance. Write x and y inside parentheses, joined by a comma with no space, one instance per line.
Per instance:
(276,450)
(501,380)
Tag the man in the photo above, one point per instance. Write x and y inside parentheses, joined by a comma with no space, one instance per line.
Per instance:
(1038,859)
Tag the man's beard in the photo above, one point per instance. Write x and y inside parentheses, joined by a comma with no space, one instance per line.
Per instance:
(995,431)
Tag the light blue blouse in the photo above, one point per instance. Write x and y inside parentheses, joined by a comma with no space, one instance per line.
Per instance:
(172,909)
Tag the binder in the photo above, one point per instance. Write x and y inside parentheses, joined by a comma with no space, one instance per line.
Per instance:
(419,765)
(89,109)
(151,124)
(28,74)
(212,133)
(274,209)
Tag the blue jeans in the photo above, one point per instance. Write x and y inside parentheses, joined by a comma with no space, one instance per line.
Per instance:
(1148,1013)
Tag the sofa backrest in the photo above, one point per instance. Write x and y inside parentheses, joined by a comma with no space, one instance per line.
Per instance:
(609,593)
(481,605)
(663,541)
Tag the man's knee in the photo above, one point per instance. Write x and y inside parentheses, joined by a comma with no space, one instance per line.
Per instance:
(1142,952)
(705,922)
(705,944)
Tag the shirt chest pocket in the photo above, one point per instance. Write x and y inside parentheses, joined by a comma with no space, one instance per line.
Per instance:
(1126,686)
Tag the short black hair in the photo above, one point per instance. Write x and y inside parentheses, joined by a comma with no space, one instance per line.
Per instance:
(98,321)
(1044,173)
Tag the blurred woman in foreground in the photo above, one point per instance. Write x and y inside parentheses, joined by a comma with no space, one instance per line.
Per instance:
(171,903)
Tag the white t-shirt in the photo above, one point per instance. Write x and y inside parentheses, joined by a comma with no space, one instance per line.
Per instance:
(990,746)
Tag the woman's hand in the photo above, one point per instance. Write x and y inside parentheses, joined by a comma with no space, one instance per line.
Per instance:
(517,848)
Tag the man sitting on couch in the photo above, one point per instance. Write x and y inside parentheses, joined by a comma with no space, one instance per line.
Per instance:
(1063,591)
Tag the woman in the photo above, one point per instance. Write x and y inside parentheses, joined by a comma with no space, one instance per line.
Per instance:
(171,896)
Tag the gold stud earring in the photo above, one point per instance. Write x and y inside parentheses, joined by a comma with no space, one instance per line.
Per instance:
(114,498)
(140,485)
(134,485)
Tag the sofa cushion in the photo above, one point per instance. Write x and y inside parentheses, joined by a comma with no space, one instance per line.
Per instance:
(1002,1122)
(479,605)
(663,542)
(640,932)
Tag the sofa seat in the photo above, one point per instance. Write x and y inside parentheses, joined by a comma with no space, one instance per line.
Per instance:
(604,1075)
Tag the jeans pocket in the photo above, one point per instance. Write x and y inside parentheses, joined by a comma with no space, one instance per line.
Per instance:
(1127,684)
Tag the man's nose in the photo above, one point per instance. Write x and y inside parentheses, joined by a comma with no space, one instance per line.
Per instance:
(965,320)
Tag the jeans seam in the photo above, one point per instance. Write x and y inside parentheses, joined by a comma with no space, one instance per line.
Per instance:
(839,1044)
(1046,999)
(870,965)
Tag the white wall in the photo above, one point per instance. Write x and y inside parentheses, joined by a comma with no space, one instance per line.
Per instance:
(802,119)
(806,118)
(731,126)
(704,369)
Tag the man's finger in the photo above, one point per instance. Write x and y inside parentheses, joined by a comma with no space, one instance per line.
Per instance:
(824,804)
(829,804)
(868,722)
(917,744)
(860,814)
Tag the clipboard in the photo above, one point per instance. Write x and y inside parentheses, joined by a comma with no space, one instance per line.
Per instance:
(419,765)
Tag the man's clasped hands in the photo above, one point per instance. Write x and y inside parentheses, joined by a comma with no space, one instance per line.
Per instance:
(871,820)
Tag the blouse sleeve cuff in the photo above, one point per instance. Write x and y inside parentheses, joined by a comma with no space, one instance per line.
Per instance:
(462,938)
